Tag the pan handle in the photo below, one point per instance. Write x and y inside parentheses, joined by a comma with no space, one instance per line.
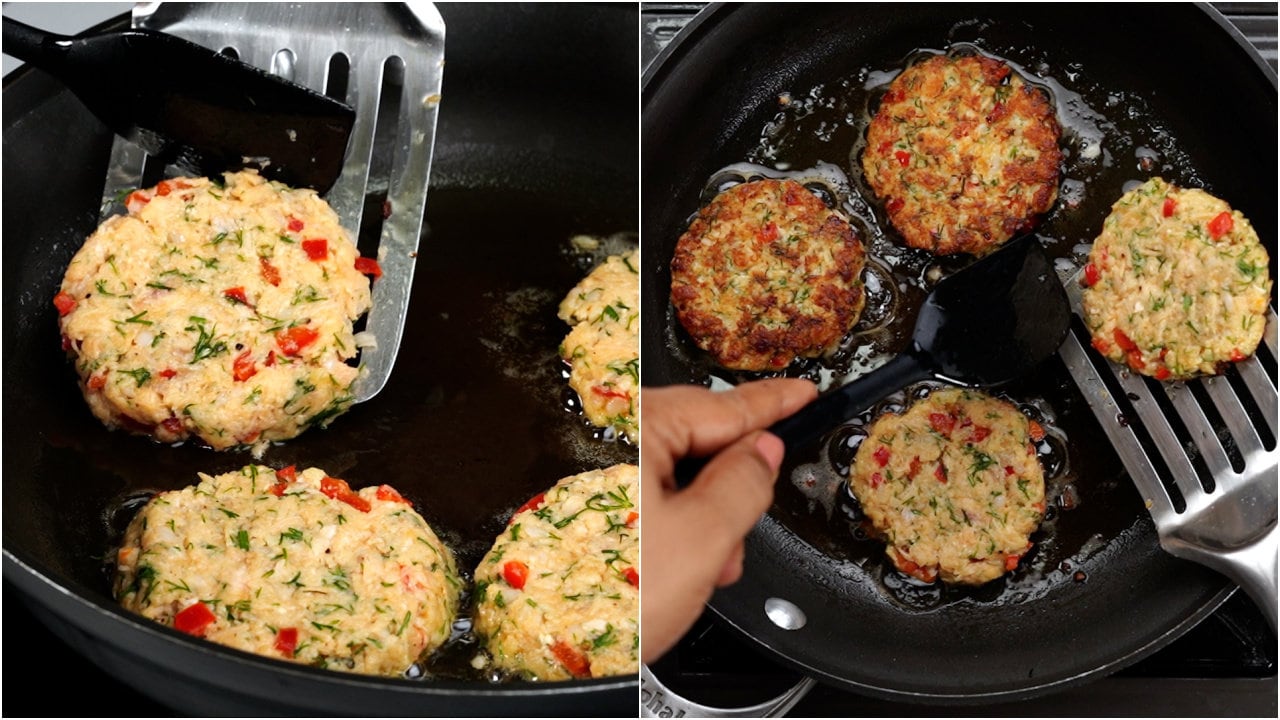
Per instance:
(657,700)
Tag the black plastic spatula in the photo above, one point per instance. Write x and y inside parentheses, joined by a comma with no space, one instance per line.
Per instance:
(987,324)
(190,106)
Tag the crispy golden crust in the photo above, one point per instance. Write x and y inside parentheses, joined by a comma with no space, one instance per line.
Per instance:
(953,485)
(767,273)
(1177,283)
(963,153)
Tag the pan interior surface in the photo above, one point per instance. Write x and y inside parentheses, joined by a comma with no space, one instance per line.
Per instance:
(476,419)
(768,90)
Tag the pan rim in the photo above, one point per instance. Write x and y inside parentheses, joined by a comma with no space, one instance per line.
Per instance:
(38,586)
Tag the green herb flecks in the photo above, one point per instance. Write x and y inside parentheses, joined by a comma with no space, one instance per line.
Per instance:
(207,343)
(630,368)
(140,375)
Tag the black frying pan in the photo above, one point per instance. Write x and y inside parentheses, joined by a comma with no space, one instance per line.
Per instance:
(1097,593)
(467,430)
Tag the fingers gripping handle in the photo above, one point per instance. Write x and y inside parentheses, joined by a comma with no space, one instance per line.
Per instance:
(814,420)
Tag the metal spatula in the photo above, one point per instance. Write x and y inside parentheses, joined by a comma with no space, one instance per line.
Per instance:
(193,107)
(384,59)
(1208,482)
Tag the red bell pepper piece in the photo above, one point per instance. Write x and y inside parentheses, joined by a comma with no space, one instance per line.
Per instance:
(293,340)
(243,367)
(270,272)
(572,660)
(194,619)
(1220,225)
(369,267)
(317,249)
(340,490)
(1091,275)
(287,641)
(531,504)
(881,456)
(942,423)
(386,492)
(64,302)
(1123,340)
(515,573)
(236,294)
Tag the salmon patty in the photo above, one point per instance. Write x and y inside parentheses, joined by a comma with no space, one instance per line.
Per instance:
(952,485)
(1177,283)
(295,566)
(767,273)
(216,310)
(963,154)
(558,595)
(603,348)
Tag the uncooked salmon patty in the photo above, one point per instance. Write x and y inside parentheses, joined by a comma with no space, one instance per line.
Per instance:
(603,347)
(292,565)
(767,273)
(1177,283)
(952,485)
(558,595)
(216,310)
(963,153)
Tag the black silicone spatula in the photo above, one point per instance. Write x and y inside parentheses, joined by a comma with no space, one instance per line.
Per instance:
(190,106)
(987,324)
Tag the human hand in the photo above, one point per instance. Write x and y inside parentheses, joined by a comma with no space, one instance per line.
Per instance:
(693,538)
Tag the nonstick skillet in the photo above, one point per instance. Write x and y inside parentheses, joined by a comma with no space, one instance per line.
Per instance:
(788,88)
(536,143)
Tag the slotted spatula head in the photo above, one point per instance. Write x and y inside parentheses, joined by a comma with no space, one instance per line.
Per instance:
(192,107)
(996,319)
(386,60)
(1208,507)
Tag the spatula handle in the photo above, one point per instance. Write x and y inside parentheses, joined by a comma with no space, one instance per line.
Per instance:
(31,45)
(820,416)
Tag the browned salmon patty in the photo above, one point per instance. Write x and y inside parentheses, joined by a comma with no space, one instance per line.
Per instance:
(953,485)
(767,273)
(963,153)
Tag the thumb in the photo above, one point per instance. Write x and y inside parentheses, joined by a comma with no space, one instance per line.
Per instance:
(735,489)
